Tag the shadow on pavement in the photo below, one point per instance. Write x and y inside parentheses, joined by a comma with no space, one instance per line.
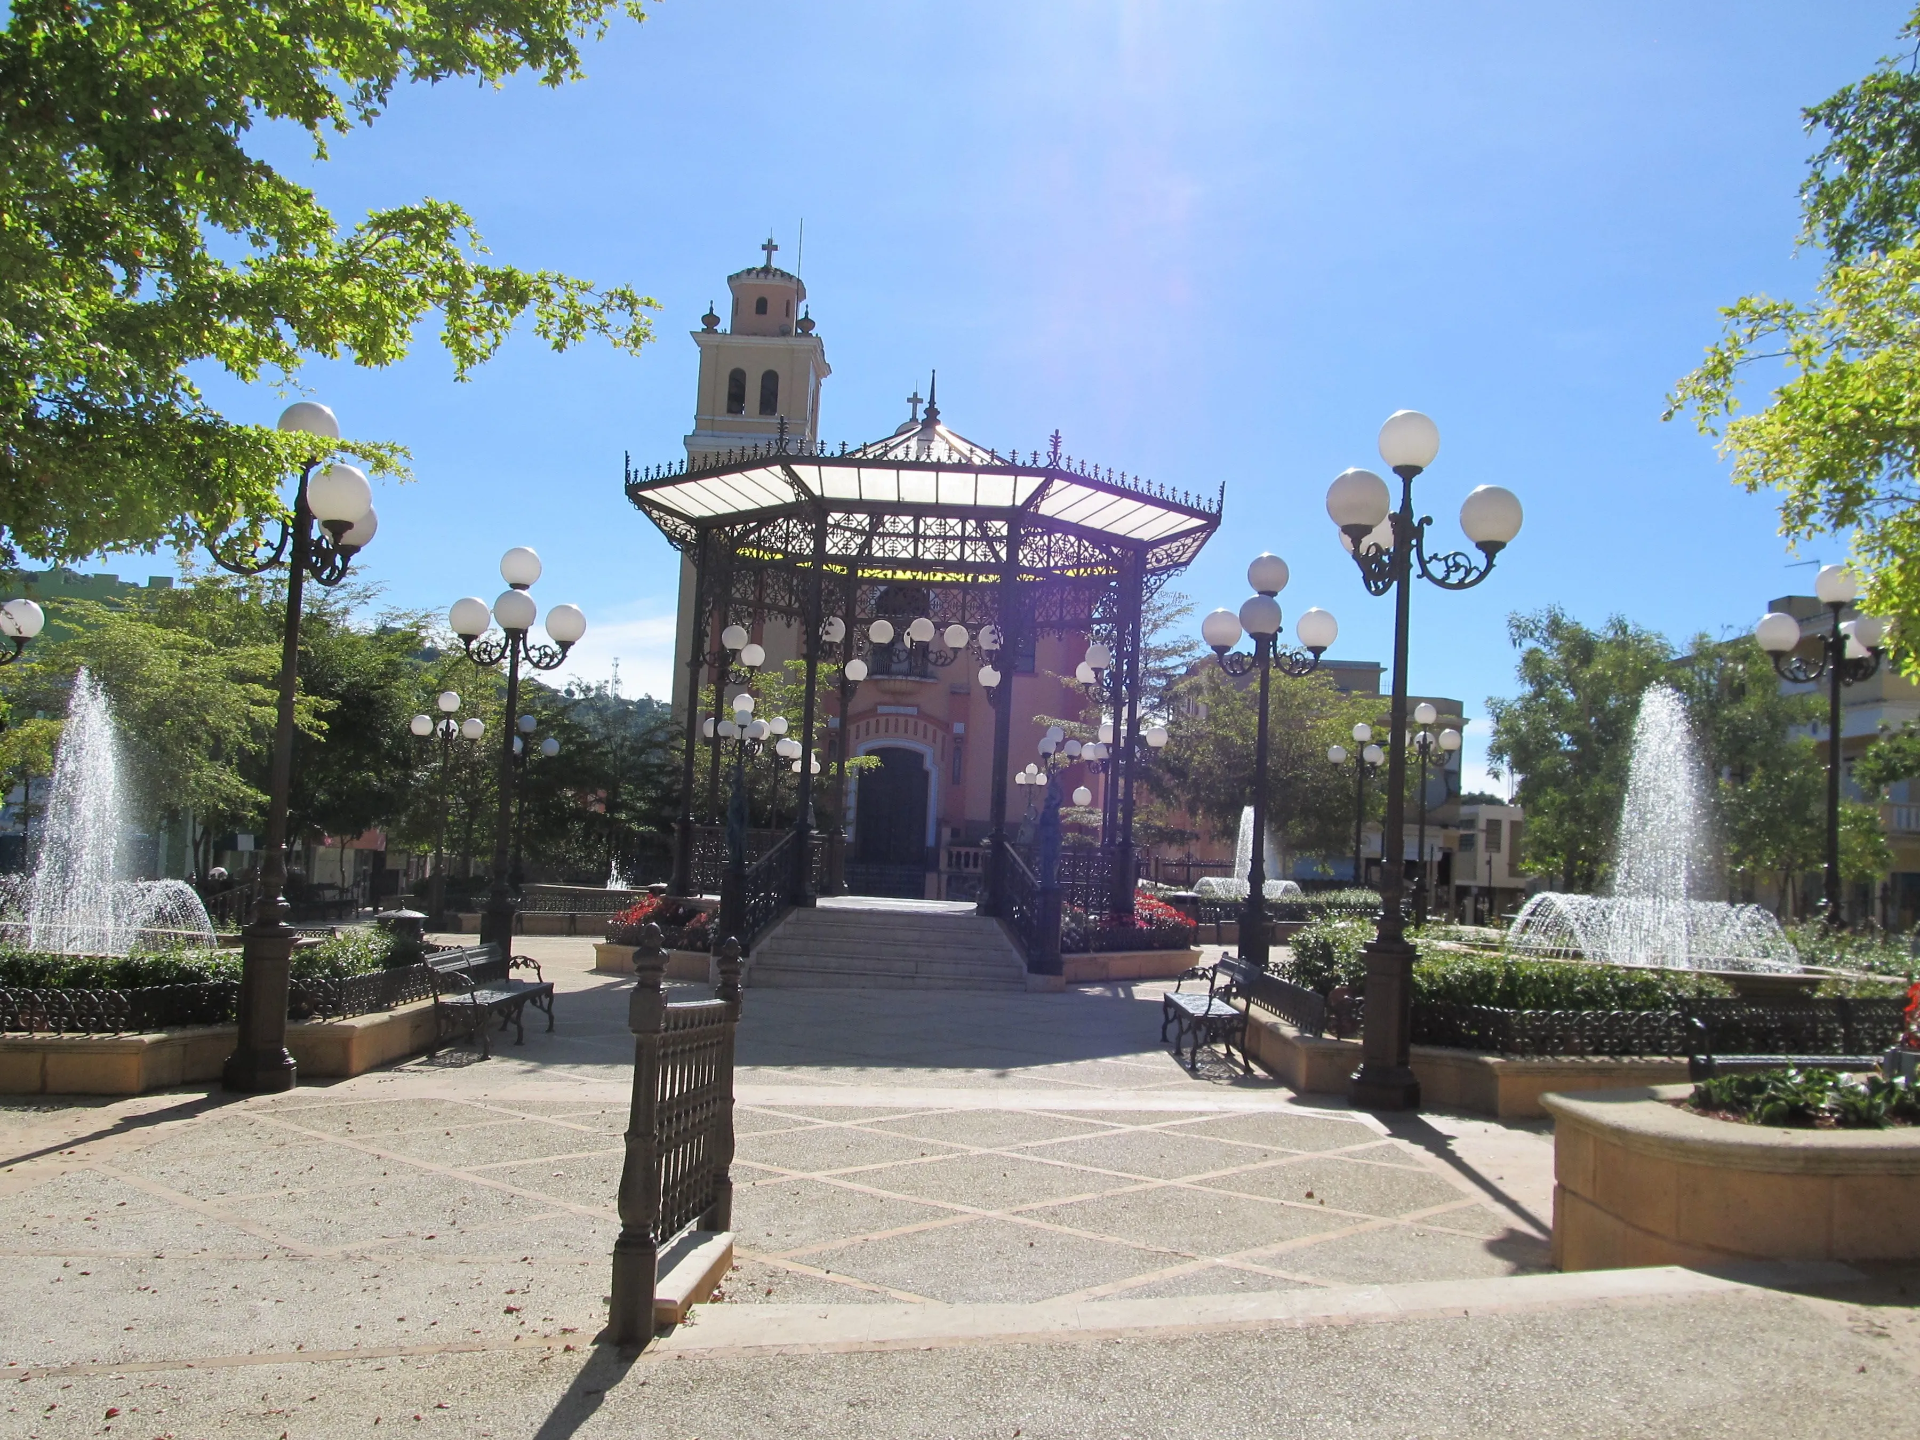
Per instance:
(606,1367)
(1416,1131)
(186,1109)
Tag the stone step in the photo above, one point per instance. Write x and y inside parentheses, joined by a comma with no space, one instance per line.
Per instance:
(763,976)
(845,948)
(860,945)
(952,969)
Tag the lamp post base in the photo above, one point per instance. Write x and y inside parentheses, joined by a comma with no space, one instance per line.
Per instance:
(496,924)
(260,1063)
(1385,1080)
(259,1072)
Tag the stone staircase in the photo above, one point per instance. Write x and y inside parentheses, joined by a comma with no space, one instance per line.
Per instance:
(887,945)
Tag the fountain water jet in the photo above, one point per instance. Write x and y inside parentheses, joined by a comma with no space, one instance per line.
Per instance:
(1234,886)
(1659,913)
(75,901)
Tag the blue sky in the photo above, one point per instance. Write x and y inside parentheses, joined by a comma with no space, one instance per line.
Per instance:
(1206,241)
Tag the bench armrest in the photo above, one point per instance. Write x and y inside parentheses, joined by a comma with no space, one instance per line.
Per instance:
(521,962)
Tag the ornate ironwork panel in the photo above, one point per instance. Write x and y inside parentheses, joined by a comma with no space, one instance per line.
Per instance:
(694,1112)
(62,1011)
(358,994)
(1023,902)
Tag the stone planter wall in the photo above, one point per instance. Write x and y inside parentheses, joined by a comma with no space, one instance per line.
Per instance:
(133,1064)
(1641,1182)
(1508,1087)
(1100,967)
(611,959)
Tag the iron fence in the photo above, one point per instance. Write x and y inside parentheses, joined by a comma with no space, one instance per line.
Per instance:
(74,1011)
(679,1142)
(1024,910)
(339,998)
(768,883)
(1833,1026)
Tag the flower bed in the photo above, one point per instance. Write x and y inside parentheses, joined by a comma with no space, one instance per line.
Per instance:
(1811,1098)
(1154,925)
(682,926)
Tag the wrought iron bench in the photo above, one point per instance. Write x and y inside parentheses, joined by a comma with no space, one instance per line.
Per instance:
(1709,1055)
(1210,1017)
(472,986)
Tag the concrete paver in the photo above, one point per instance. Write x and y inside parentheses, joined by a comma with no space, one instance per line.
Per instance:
(976,1168)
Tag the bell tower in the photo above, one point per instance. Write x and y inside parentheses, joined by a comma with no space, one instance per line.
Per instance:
(765,368)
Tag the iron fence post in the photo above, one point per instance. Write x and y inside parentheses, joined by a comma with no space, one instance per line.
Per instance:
(636,1254)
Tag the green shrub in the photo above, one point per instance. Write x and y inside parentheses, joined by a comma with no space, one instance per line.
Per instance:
(1327,953)
(1451,977)
(357,951)
(1876,953)
(1810,1097)
(352,952)
(32,971)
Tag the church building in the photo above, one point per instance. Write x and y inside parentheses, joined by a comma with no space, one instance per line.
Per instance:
(914,821)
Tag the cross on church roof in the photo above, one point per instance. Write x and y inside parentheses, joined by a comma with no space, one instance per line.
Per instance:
(915,401)
(769,248)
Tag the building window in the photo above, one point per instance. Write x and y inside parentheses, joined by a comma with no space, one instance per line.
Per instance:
(770,392)
(760,305)
(736,392)
(1493,836)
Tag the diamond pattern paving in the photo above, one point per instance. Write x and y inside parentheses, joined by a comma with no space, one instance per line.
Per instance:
(991,1148)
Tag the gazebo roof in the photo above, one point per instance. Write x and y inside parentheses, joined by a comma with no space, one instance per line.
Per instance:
(925,497)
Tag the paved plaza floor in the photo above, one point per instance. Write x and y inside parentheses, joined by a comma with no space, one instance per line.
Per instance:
(957,1213)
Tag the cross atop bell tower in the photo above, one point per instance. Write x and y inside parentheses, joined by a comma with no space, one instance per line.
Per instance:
(769,248)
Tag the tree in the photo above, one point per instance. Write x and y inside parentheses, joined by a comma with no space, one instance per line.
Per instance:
(1770,785)
(1569,739)
(190,712)
(635,747)
(1569,734)
(1839,440)
(141,238)
(1208,762)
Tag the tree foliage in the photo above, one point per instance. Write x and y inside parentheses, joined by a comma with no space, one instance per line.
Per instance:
(190,711)
(1839,439)
(1568,735)
(140,237)
(1208,763)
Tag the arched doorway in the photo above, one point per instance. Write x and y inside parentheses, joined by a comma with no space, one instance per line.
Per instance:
(890,826)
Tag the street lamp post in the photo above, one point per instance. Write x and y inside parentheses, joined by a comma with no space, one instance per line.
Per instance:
(1388,544)
(1367,758)
(341,500)
(515,612)
(1260,617)
(1849,653)
(1425,741)
(448,729)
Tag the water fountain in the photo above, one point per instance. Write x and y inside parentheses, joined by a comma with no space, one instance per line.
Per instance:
(76,900)
(1659,912)
(1234,886)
